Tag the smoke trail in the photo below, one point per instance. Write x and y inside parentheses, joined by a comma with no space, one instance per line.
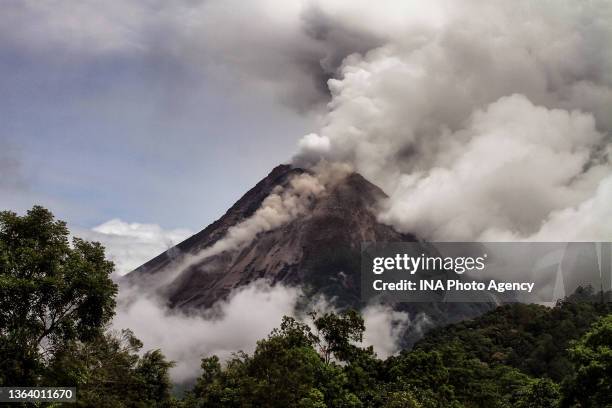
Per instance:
(282,205)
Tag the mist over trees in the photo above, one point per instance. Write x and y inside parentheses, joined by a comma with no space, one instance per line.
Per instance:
(515,356)
(57,301)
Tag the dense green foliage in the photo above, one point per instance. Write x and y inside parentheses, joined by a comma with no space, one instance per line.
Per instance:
(591,383)
(50,292)
(56,301)
(109,372)
(515,356)
(57,298)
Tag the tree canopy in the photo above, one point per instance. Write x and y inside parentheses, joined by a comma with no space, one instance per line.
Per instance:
(514,356)
(57,299)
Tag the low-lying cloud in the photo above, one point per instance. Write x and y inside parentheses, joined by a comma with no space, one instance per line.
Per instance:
(235,324)
(249,314)
(385,328)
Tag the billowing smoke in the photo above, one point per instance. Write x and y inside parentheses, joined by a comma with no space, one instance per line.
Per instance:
(510,169)
(486,121)
(282,205)
(385,327)
(248,315)
(483,120)
(235,324)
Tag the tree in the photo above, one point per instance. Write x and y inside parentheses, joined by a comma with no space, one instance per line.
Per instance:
(153,378)
(314,399)
(538,393)
(591,385)
(401,399)
(423,375)
(51,293)
(336,332)
(109,372)
(284,371)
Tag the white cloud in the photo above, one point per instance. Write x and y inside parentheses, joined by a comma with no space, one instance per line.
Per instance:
(130,245)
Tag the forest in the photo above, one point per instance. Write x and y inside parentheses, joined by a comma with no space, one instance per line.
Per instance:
(57,301)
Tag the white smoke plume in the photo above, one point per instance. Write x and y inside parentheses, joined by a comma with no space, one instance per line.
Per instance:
(282,205)
(384,329)
(249,314)
(484,121)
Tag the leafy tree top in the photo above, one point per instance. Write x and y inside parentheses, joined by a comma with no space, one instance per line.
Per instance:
(51,291)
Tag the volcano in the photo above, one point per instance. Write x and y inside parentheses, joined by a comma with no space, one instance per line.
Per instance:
(318,250)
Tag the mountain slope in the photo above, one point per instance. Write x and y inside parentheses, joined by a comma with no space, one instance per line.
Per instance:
(318,250)
(242,209)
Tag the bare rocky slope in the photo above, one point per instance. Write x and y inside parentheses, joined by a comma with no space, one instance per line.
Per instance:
(318,251)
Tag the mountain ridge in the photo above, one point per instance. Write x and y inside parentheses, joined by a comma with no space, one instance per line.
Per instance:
(318,250)
(295,253)
(241,209)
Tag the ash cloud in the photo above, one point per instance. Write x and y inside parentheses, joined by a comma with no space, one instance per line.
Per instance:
(281,206)
(406,85)
(284,204)
(484,121)
(286,48)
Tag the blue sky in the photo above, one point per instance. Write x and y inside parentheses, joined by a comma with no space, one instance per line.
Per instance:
(144,136)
